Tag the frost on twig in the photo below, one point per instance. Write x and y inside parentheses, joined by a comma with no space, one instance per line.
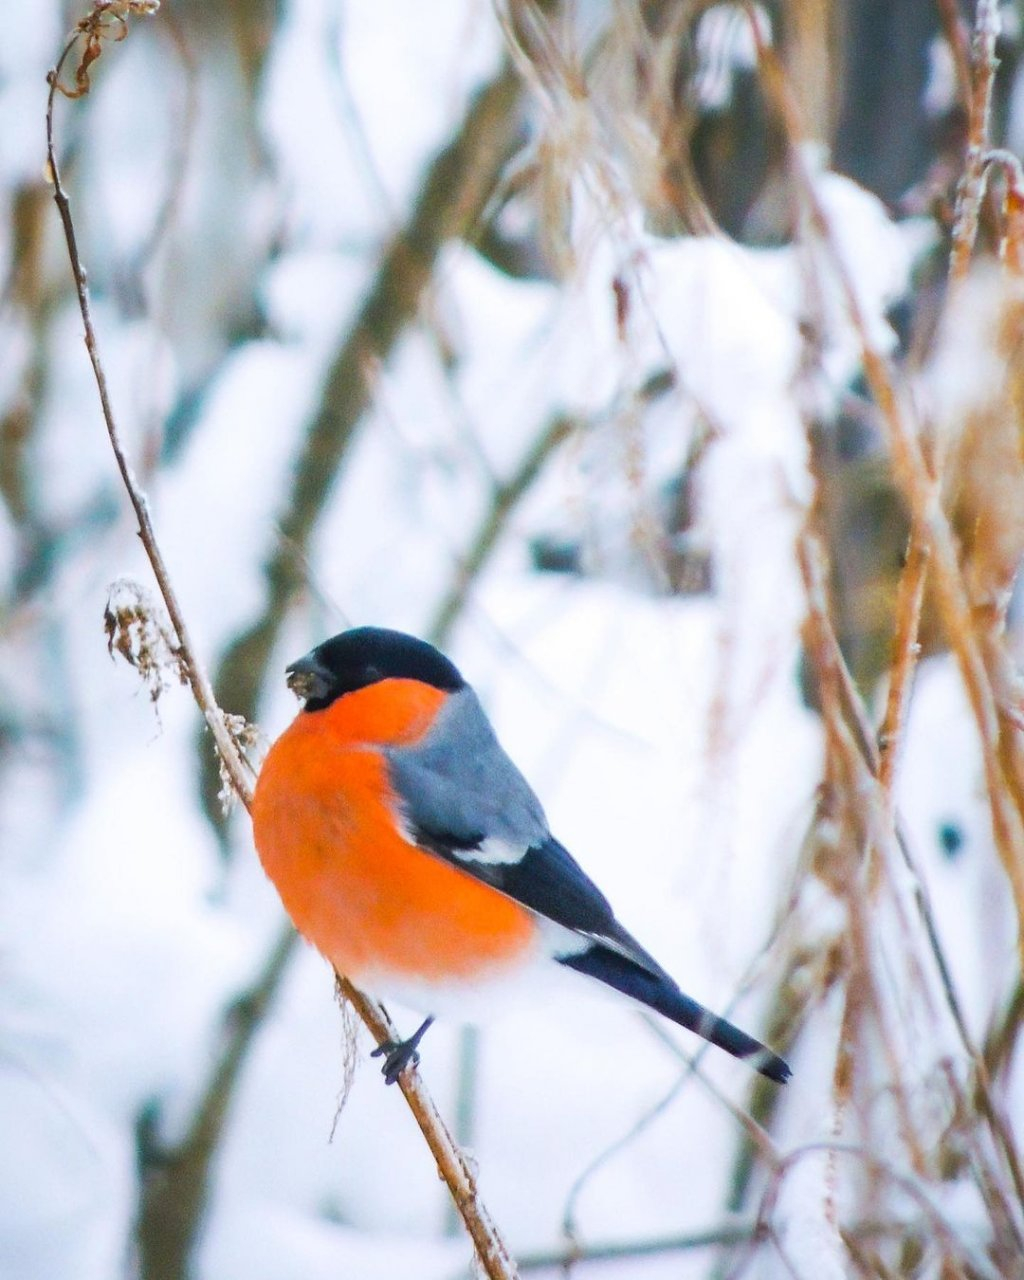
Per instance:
(251,742)
(138,630)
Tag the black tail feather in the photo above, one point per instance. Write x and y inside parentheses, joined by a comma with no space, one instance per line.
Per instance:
(661,994)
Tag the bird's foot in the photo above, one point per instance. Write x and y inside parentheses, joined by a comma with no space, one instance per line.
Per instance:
(399,1054)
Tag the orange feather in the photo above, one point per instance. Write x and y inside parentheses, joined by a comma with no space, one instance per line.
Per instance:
(375,905)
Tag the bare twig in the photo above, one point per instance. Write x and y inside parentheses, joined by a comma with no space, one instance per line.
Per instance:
(176,1183)
(984,1095)
(934,538)
(1011,247)
(1001,1039)
(452,1164)
(184,1214)
(730,1234)
(828,658)
(623,1141)
(106,20)
(971,188)
(919,486)
(725,1235)
(852,768)
(952,1240)
(975,77)
(240,775)
(956,38)
(909,599)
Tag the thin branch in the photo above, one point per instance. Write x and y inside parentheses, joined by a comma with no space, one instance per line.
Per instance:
(955,31)
(618,1144)
(452,1164)
(829,658)
(919,487)
(952,1241)
(209,1120)
(971,188)
(913,475)
(1001,1039)
(906,650)
(726,1235)
(831,663)
(240,776)
(176,1183)
(975,78)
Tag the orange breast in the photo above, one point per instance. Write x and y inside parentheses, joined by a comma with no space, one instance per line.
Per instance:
(375,905)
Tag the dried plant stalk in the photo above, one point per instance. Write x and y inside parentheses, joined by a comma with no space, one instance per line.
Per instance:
(1005,788)
(185,1217)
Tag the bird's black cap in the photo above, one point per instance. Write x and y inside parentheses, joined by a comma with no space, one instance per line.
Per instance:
(364,656)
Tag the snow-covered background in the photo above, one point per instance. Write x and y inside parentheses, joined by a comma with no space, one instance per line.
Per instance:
(231,224)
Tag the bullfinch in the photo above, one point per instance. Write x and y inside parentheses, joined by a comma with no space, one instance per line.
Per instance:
(409,849)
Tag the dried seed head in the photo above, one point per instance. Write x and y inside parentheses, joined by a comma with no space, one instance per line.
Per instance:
(137,629)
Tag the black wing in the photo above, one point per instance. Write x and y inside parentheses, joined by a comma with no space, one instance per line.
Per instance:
(462,799)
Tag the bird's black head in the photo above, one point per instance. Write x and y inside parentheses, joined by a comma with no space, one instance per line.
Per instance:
(363,657)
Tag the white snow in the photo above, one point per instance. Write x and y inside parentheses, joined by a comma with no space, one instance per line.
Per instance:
(666,736)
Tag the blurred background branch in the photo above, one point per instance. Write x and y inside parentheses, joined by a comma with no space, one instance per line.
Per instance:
(176,1192)
(677,392)
(455,190)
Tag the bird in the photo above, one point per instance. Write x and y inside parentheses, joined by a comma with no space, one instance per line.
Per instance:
(412,853)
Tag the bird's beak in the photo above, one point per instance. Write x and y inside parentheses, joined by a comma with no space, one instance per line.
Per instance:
(307,678)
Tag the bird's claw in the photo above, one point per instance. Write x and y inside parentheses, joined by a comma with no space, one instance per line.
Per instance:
(397,1055)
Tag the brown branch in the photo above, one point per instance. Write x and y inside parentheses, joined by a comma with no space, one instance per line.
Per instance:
(175,1203)
(971,187)
(932,529)
(906,650)
(624,1140)
(176,1183)
(1001,1039)
(1011,248)
(202,691)
(984,1096)
(975,77)
(955,31)
(458,184)
(452,1164)
(726,1235)
(941,1228)
(919,487)
(829,659)
(852,769)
